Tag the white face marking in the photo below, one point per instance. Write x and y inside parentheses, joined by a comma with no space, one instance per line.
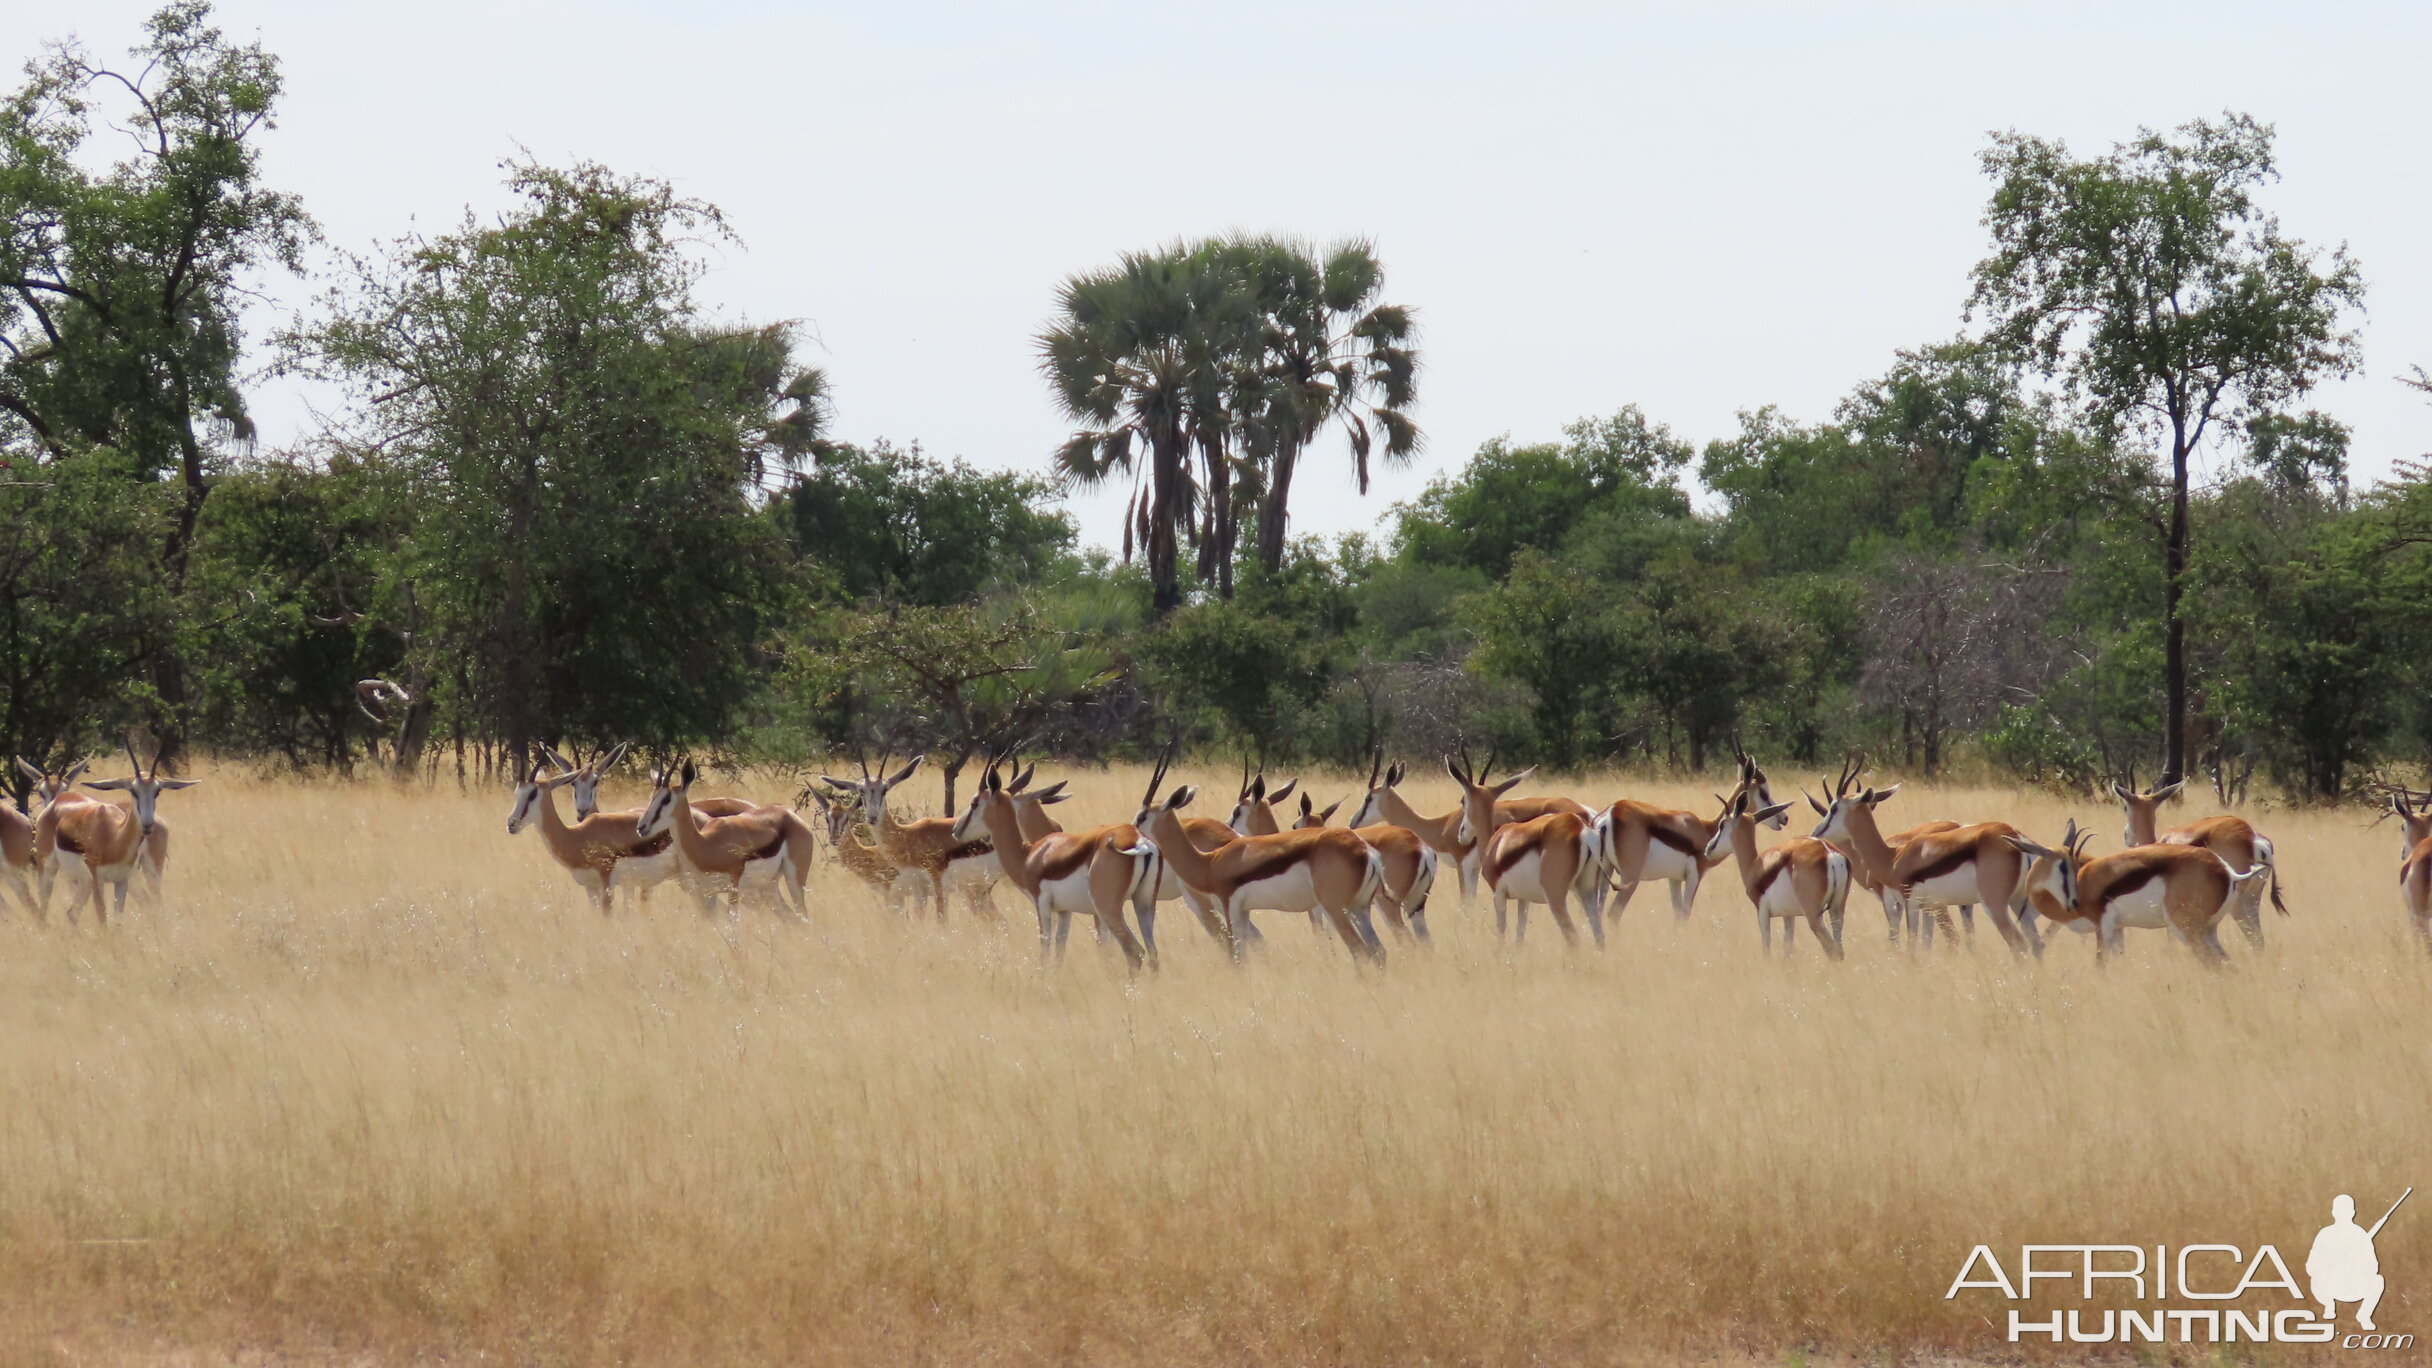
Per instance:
(525,794)
(586,793)
(656,816)
(972,823)
(1369,814)
(1835,826)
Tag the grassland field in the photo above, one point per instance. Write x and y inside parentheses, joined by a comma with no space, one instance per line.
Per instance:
(374,1084)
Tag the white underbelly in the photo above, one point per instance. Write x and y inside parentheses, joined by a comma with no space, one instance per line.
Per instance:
(643,871)
(1955,889)
(1525,880)
(1782,897)
(1663,862)
(1294,890)
(2147,908)
(1068,896)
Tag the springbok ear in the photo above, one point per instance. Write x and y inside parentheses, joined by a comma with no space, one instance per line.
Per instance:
(1257,791)
(1053,793)
(906,772)
(1181,797)
(845,784)
(1328,814)
(168,785)
(1772,812)
(2120,791)
(1285,792)
(1393,777)
(111,784)
(691,772)
(558,760)
(1453,767)
(1874,796)
(2168,791)
(1306,806)
(74,770)
(1514,782)
(28,771)
(1821,810)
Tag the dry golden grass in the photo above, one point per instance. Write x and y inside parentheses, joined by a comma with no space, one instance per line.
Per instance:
(374,1084)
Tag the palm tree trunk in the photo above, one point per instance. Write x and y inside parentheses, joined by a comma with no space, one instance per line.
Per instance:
(1274,511)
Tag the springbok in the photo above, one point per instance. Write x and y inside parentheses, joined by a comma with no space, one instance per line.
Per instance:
(2236,841)
(1487,809)
(840,819)
(1030,812)
(927,844)
(53,794)
(1327,868)
(604,852)
(1853,768)
(1970,864)
(1410,863)
(1642,841)
(25,840)
(770,847)
(2415,864)
(1092,873)
(101,842)
(1800,878)
(2182,889)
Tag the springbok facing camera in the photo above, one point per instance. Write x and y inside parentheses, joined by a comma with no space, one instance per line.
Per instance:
(840,816)
(1091,873)
(1801,878)
(2234,839)
(586,787)
(2182,889)
(98,842)
(1484,809)
(1327,868)
(771,848)
(926,845)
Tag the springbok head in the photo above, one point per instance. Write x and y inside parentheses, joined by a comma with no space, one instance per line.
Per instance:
(585,777)
(145,786)
(50,786)
(2143,809)
(989,793)
(1372,803)
(2414,813)
(1851,800)
(1752,781)
(1745,805)
(2051,878)
(1254,795)
(1311,815)
(1150,808)
(534,789)
(1478,795)
(874,785)
(668,783)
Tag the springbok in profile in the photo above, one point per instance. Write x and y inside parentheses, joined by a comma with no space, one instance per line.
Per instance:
(1030,812)
(1089,873)
(1326,868)
(2182,889)
(1410,863)
(98,843)
(1802,878)
(927,844)
(769,848)
(1642,841)
(1484,810)
(1853,769)
(25,841)
(2415,864)
(603,852)
(1935,869)
(2235,840)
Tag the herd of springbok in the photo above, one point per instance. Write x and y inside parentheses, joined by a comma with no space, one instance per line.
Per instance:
(1549,851)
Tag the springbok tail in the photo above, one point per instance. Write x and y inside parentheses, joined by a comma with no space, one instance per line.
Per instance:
(1424,881)
(1836,883)
(2267,857)
(1375,882)
(1145,872)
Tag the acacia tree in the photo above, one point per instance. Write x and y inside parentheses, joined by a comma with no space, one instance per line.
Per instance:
(2151,283)
(583,448)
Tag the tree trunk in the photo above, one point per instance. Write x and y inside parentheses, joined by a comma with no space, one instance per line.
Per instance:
(1274,511)
(2174,629)
(1163,550)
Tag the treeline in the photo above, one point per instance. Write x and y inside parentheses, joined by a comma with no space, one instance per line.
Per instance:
(562,501)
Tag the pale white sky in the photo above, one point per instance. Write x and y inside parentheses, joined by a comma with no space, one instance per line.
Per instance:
(1695,208)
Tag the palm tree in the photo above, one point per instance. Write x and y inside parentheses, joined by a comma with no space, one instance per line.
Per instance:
(1138,355)
(1334,356)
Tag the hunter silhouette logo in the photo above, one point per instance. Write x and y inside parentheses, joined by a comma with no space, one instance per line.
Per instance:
(2343,1266)
(2195,1293)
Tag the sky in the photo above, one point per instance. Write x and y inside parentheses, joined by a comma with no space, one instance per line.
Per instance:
(1697,209)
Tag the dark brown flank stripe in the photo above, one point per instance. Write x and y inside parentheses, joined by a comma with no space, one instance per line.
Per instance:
(1512,852)
(2141,874)
(1268,862)
(1767,872)
(66,842)
(1675,840)
(1065,856)
(1947,864)
(769,852)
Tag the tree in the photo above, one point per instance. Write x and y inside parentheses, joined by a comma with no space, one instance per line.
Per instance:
(1334,355)
(901,526)
(1510,498)
(583,449)
(2155,287)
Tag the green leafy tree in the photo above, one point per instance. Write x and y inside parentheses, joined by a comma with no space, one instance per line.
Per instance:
(901,526)
(1512,498)
(583,449)
(2152,283)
